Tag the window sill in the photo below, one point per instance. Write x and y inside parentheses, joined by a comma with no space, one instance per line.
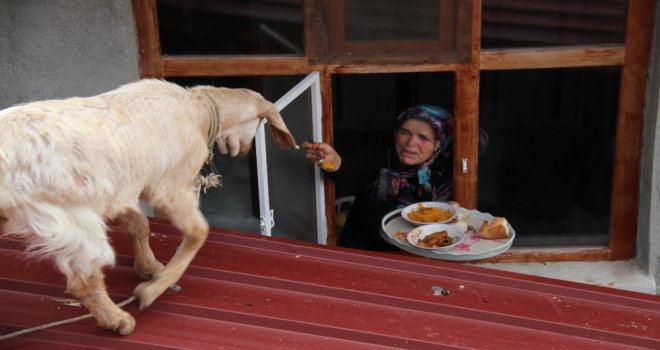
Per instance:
(626,275)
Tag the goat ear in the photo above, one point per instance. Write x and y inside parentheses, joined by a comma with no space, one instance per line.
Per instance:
(281,134)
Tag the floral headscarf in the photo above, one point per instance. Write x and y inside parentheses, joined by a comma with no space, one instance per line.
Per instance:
(423,181)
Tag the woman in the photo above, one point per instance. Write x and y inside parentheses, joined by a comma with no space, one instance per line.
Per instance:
(420,168)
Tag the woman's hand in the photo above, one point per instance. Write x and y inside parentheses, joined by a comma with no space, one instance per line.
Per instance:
(322,155)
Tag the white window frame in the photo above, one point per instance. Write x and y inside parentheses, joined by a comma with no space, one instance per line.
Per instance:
(266,214)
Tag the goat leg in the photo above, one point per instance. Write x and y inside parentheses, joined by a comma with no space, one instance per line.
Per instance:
(136,225)
(91,291)
(195,229)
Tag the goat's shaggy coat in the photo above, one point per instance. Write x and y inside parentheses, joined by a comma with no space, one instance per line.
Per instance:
(68,165)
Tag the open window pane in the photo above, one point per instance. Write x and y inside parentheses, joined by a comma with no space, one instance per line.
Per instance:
(291,178)
(539,23)
(235,205)
(546,164)
(231,27)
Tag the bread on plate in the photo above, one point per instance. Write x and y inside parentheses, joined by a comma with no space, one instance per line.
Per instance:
(495,229)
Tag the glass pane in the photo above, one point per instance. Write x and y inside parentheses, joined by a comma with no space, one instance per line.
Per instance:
(231,27)
(546,152)
(291,176)
(235,205)
(507,24)
(391,20)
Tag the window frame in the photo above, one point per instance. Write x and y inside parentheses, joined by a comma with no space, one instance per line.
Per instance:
(633,58)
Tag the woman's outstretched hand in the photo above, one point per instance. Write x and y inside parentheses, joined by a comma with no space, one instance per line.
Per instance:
(322,155)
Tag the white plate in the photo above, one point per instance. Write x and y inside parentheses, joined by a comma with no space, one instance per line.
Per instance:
(394,228)
(414,207)
(420,232)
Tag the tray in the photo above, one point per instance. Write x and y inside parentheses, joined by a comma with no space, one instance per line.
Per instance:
(473,247)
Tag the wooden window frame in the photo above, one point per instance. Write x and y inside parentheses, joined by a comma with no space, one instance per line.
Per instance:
(632,57)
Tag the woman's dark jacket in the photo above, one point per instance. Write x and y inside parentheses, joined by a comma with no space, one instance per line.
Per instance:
(363,224)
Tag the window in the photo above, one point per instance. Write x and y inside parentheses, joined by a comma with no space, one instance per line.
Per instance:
(359,28)
(544,23)
(510,71)
(547,165)
(304,217)
(208,27)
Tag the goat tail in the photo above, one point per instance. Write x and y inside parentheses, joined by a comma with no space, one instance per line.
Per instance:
(74,237)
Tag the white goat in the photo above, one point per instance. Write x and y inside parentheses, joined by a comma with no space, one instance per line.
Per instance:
(67,166)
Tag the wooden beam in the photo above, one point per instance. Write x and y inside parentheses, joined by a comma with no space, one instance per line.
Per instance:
(186,66)
(146,22)
(625,196)
(591,56)
(375,67)
(328,137)
(542,255)
(466,112)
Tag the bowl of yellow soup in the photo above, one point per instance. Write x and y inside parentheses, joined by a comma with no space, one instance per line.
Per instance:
(425,213)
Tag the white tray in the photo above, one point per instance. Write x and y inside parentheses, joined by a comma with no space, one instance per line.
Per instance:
(473,247)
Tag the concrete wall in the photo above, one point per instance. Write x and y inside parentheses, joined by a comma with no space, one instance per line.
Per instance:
(648,243)
(64,48)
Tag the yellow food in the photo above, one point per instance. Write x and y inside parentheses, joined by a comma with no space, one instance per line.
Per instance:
(327,166)
(429,214)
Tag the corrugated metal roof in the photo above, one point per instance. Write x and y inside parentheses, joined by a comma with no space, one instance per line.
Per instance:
(252,292)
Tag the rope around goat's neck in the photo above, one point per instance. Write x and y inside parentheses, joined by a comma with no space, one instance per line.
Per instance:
(59,323)
(215,125)
(213,179)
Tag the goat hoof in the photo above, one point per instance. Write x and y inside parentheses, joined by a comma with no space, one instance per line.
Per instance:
(124,325)
(146,271)
(144,294)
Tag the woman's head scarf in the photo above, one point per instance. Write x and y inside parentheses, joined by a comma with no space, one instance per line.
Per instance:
(440,120)
(407,182)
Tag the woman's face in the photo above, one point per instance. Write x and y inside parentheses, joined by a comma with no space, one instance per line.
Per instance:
(415,142)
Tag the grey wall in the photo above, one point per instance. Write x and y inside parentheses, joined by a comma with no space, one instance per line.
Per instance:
(648,242)
(64,48)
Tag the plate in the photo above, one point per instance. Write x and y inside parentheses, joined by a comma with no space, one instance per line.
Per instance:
(417,206)
(394,230)
(421,232)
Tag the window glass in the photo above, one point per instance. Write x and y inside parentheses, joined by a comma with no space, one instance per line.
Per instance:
(395,29)
(546,152)
(290,175)
(507,24)
(230,27)
(391,20)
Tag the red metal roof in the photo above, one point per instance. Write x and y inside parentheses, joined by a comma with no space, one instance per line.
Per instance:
(251,292)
